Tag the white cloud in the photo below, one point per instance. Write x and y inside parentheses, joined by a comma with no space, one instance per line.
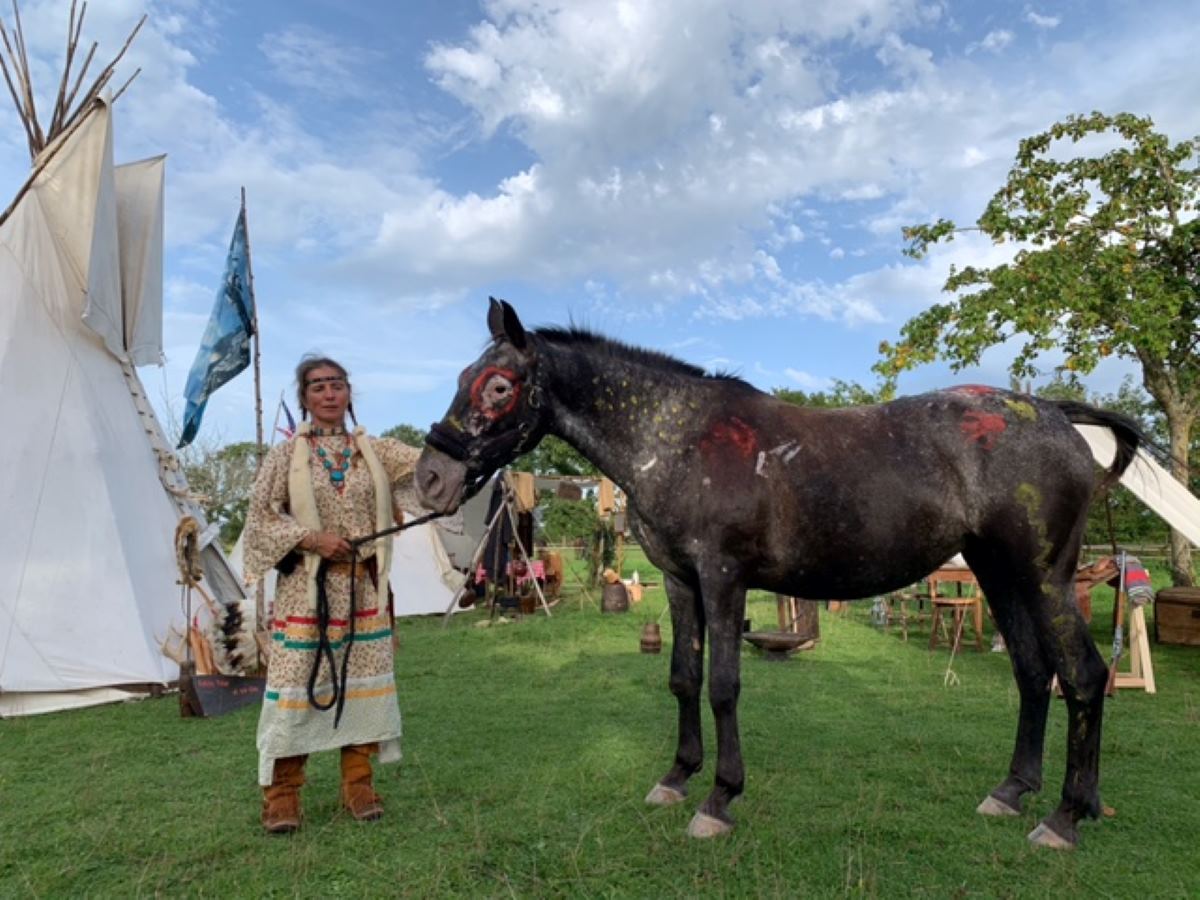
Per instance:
(1040,21)
(807,381)
(996,41)
(308,59)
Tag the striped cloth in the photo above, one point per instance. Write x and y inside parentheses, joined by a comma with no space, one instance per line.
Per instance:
(1137,582)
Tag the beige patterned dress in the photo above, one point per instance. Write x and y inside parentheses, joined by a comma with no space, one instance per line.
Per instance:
(289,725)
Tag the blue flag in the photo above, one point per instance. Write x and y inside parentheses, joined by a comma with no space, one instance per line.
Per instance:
(225,348)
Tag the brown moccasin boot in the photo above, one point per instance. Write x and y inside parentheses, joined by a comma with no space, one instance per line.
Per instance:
(358,794)
(281,801)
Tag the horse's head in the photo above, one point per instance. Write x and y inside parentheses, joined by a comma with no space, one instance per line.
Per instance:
(494,418)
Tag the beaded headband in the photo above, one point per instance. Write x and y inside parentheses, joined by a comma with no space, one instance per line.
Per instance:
(310,382)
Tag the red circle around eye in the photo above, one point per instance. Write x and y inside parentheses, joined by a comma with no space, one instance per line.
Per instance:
(480,383)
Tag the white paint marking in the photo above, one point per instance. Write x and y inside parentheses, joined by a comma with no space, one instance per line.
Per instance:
(650,465)
(762,459)
(707,481)
(791,455)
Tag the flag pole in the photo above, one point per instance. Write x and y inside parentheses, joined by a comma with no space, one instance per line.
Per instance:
(275,424)
(261,449)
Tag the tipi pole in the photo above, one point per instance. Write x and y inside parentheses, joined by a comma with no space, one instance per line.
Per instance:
(475,558)
(512,518)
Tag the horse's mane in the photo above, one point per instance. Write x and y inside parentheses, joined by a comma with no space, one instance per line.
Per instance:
(576,337)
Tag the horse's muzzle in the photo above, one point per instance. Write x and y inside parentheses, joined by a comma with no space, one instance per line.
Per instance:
(439,481)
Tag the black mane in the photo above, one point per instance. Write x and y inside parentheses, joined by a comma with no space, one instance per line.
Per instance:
(575,336)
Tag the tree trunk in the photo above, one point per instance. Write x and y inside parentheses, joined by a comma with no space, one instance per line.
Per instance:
(1179,425)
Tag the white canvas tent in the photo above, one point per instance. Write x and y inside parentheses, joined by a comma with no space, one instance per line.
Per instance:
(90,491)
(1150,483)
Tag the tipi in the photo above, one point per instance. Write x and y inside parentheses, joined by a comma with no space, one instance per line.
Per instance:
(91,493)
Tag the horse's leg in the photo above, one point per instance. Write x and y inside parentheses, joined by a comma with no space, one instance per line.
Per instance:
(1032,670)
(1082,674)
(1047,619)
(687,675)
(724,606)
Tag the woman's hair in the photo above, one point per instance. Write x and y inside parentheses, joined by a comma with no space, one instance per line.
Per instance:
(308,363)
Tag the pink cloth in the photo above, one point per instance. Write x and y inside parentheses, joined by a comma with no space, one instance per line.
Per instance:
(539,571)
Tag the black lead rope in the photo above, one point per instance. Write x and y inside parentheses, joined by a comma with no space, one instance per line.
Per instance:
(324,648)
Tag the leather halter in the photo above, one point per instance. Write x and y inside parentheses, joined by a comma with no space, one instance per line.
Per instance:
(482,456)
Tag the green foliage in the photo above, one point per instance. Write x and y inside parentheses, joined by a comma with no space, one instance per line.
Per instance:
(406,434)
(1107,263)
(554,456)
(223,479)
(1107,260)
(567,521)
(844,393)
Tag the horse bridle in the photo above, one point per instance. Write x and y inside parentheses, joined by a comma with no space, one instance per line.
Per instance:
(453,440)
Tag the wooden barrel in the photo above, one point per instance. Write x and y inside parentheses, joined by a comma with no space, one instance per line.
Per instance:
(651,641)
(614,598)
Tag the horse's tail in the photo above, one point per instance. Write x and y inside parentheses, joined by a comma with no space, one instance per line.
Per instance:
(1128,434)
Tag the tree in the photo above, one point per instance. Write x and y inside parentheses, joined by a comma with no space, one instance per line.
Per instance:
(223,480)
(554,456)
(1107,263)
(566,521)
(844,393)
(406,434)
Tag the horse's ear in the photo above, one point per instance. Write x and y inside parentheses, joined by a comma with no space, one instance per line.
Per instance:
(503,323)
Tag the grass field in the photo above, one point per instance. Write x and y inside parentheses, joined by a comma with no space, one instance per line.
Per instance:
(529,747)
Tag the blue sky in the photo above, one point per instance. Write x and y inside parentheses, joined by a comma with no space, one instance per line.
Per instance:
(722,181)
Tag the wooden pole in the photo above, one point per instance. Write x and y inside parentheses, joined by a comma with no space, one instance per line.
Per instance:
(260,597)
(261,451)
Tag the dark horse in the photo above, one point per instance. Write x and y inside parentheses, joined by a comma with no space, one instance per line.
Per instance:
(734,489)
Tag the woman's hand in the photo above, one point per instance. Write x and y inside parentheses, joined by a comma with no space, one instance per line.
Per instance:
(327,545)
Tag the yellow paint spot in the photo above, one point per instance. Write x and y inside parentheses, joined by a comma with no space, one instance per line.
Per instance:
(1022,409)
(1031,499)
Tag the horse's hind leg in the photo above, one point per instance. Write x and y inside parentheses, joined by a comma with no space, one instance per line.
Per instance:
(687,675)
(1082,675)
(1032,669)
(1034,607)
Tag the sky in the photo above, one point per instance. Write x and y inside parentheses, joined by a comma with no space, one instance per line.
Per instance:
(726,182)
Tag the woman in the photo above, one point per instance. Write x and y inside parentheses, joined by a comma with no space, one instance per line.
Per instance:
(313,493)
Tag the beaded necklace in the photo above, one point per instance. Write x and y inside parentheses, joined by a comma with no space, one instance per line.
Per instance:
(337,465)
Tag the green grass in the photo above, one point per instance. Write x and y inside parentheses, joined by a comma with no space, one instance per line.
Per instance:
(529,747)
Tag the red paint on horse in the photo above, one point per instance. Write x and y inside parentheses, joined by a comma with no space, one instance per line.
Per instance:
(735,433)
(983,428)
(973,390)
(477,399)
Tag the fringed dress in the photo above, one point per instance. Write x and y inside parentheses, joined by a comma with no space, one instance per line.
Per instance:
(285,497)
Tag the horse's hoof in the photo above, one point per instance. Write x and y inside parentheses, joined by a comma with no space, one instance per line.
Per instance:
(1044,836)
(993,807)
(705,826)
(661,795)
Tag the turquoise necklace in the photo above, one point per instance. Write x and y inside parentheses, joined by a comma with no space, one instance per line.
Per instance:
(335,464)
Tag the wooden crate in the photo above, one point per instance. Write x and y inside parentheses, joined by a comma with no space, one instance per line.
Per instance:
(1177,616)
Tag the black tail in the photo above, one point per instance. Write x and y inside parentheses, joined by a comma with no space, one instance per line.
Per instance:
(1128,433)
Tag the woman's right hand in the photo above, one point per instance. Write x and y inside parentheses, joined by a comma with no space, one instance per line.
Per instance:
(328,545)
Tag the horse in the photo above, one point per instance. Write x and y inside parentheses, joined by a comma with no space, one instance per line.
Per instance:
(732,489)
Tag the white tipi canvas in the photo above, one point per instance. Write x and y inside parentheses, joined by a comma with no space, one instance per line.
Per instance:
(91,494)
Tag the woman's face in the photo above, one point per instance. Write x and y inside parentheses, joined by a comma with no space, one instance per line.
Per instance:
(326,396)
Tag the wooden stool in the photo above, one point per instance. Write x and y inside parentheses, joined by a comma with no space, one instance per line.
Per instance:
(959,607)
